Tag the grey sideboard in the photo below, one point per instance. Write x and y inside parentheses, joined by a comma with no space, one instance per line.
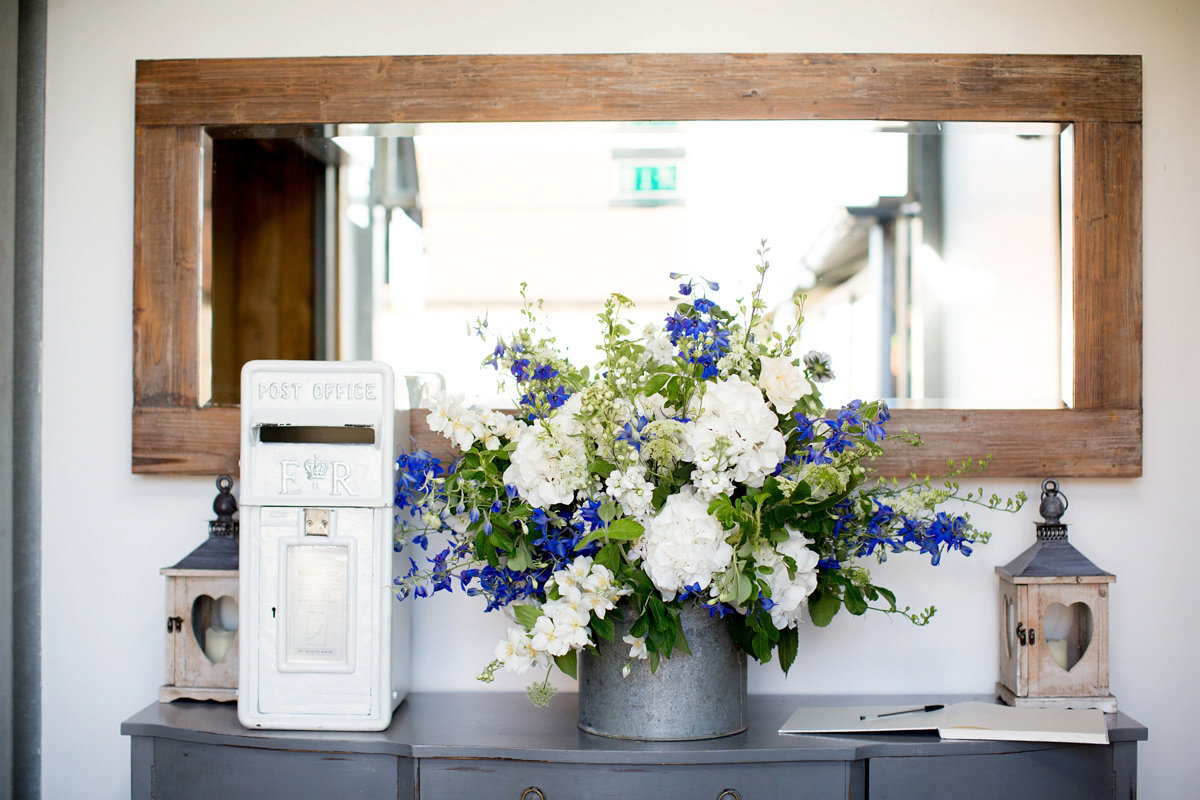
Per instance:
(490,745)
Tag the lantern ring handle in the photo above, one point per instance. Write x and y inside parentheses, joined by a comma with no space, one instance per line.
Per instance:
(1050,486)
(224,483)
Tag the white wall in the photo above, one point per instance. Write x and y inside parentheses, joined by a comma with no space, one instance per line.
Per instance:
(106,532)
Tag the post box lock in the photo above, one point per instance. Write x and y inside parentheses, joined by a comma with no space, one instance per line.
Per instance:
(316,522)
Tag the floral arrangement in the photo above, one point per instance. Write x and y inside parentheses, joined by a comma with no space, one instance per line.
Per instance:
(696,463)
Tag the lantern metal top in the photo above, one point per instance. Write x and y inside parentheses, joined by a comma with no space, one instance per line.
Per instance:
(1052,556)
(220,550)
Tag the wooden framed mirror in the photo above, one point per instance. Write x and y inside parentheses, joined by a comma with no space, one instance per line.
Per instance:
(1099,96)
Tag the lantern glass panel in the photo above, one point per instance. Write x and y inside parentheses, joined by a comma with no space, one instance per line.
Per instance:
(214,624)
(1068,632)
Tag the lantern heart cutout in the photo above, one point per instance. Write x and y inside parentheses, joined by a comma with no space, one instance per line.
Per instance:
(1067,632)
(214,624)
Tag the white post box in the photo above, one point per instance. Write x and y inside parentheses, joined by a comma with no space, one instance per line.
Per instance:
(325,645)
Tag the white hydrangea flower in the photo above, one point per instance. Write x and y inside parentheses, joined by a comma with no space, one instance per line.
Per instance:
(736,433)
(683,545)
(789,595)
(549,464)
(783,382)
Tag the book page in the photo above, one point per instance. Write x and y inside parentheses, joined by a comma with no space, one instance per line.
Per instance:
(991,721)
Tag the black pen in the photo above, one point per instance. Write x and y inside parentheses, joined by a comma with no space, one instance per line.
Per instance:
(921,710)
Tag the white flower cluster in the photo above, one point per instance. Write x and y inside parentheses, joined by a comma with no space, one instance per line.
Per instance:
(789,595)
(735,439)
(464,425)
(659,349)
(683,545)
(584,588)
(550,461)
(630,488)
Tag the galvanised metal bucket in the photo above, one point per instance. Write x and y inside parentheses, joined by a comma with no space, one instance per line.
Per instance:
(701,696)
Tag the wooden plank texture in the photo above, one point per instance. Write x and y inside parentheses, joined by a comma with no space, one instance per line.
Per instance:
(1108,281)
(166,265)
(639,86)
(1023,443)
(187,441)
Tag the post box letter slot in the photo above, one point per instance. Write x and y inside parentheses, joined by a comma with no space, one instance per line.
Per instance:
(316,434)
(318,605)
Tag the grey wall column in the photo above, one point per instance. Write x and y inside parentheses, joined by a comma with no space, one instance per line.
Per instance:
(22,128)
(8,170)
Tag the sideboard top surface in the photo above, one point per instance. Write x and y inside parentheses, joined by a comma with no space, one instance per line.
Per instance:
(507,726)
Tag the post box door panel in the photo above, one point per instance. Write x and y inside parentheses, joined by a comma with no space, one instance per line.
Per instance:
(316,613)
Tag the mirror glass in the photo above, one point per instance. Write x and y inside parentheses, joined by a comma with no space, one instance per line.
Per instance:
(930,253)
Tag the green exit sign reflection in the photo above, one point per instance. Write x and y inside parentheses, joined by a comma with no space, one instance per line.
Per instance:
(650,179)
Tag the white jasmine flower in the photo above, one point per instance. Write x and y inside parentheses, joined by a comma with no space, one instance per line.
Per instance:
(549,638)
(515,651)
(783,382)
(683,545)
(574,573)
(637,646)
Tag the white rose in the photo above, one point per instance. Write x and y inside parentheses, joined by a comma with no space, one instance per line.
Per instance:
(783,382)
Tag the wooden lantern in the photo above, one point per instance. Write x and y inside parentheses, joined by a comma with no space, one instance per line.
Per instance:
(1054,621)
(202,612)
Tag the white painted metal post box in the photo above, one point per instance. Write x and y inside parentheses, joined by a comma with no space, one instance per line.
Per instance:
(325,645)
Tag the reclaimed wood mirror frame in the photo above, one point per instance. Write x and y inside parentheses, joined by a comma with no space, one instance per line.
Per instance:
(1100,96)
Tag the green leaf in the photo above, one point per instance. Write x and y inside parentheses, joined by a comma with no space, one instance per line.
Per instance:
(744,586)
(856,604)
(607,511)
(625,528)
(655,384)
(680,640)
(822,606)
(640,627)
(887,595)
(789,645)
(519,561)
(501,540)
(605,628)
(567,663)
(527,615)
(601,467)
(609,556)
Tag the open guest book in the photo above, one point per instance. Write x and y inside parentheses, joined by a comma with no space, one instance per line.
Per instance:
(959,721)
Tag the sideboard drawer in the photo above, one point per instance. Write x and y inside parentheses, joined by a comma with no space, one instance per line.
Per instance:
(494,779)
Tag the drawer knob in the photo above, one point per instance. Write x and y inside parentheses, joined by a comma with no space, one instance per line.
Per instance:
(729,794)
(533,793)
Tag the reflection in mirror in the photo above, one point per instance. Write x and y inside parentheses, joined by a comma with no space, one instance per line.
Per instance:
(930,252)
